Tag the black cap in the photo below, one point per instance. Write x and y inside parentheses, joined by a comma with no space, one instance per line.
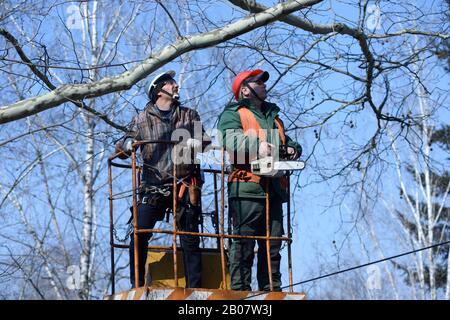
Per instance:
(264,76)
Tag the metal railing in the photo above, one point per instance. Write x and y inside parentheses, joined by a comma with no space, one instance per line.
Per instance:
(220,218)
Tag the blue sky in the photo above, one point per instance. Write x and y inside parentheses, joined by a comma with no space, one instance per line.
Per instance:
(317,225)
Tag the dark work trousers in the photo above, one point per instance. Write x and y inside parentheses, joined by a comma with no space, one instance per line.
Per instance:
(249,218)
(148,215)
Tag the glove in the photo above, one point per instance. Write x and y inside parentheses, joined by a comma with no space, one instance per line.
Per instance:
(193,143)
(265,149)
(128,145)
(292,153)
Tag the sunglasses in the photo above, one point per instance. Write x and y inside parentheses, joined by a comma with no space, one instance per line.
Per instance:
(258,82)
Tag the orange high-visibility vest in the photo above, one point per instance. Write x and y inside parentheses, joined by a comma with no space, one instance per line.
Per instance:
(242,173)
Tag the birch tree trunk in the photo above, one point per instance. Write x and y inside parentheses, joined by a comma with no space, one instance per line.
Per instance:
(88,202)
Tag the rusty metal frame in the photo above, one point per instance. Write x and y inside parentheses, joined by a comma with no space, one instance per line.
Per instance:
(174,232)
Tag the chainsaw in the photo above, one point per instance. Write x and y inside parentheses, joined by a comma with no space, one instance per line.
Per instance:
(269,167)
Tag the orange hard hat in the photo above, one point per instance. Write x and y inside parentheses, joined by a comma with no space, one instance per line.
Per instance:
(241,77)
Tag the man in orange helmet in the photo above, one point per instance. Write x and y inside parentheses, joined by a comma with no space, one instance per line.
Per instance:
(250,130)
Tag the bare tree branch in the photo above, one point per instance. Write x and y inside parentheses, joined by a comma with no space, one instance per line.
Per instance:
(126,80)
(49,84)
(179,35)
(340,28)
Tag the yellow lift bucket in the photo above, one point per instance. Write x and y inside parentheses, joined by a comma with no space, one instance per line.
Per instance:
(160,266)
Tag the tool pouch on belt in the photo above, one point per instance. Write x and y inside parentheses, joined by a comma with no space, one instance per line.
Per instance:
(189,209)
(194,195)
(189,194)
(193,187)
